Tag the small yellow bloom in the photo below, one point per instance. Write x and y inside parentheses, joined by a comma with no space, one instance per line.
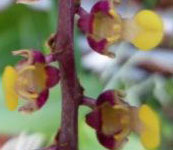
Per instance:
(29,80)
(114,119)
(150,133)
(27,83)
(8,80)
(149,30)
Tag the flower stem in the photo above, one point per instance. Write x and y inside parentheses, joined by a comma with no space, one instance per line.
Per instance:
(72,92)
(90,102)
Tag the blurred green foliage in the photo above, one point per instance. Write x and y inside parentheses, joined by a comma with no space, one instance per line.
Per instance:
(150,3)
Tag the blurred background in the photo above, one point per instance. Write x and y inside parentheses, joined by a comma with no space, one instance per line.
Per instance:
(147,77)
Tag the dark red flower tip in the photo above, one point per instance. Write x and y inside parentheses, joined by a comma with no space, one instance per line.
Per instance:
(101,6)
(98,46)
(107,141)
(107,96)
(38,57)
(43,97)
(93,119)
(53,76)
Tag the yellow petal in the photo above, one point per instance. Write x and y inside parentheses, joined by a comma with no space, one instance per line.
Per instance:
(150,30)
(150,133)
(31,81)
(8,80)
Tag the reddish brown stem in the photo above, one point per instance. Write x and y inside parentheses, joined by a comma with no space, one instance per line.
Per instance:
(90,102)
(72,93)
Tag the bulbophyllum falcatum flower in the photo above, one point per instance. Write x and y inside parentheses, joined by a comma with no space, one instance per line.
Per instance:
(104,27)
(30,80)
(114,119)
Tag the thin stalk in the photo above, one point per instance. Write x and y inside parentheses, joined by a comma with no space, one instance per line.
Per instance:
(72,93)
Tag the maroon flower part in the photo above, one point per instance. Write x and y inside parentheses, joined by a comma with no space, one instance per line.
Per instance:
(114,119)
(102,26)
(34,78)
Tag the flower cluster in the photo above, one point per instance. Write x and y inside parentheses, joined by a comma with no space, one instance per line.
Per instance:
(30,79)
(104,27)
(114,119)
(111,117)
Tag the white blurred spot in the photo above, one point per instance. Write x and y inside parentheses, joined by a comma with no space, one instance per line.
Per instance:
(42,5)
(4,3)
(96,62)
(24,142)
